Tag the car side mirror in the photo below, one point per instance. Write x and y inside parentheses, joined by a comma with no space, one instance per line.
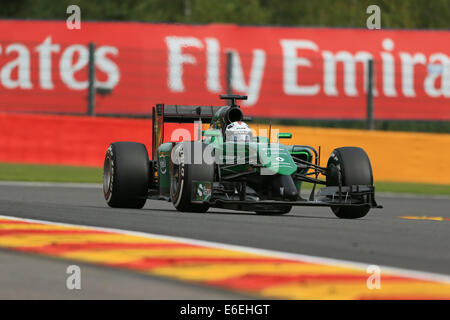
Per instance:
(211,133)
(284,135)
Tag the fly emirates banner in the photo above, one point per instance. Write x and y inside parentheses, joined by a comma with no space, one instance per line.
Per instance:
(286,72)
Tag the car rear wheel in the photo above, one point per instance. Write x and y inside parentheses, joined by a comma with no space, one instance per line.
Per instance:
(355,168)
(126,175)
(185,171)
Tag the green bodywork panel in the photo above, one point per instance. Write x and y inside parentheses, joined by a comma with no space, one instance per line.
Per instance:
(164,151)
(275,158)
(304,154)
(300,152)
(202,191)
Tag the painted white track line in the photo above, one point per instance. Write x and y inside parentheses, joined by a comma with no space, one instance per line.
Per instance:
(285,255)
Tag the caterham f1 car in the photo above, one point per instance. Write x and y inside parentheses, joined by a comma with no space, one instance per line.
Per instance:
(227,166)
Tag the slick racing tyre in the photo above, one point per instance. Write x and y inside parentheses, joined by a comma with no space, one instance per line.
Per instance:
(185,169)
(356,169)
(126,175)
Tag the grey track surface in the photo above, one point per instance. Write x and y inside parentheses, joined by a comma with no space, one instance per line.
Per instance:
(35,277)
(379,238)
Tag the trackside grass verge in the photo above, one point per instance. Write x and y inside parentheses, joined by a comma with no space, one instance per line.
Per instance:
(57,173)
(49,173)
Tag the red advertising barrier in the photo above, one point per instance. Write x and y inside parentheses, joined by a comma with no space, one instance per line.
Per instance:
(83,141)
(287,72)
(64,139)
(69,140)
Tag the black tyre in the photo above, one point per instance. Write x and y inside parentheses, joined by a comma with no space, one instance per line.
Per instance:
(126,175)
(356,169)
(184,170)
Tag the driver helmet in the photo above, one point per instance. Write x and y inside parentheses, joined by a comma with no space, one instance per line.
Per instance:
(238,131)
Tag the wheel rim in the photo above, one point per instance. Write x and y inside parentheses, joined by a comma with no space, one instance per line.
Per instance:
(177,176)
(107,176)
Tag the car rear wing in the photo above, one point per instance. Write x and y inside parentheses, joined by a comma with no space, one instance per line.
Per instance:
(184,114)
(177,114)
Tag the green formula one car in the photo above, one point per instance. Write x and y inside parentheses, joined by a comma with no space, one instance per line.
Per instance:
(228,166)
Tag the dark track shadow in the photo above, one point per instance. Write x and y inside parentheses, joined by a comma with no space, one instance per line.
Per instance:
(224,213)
(240,213)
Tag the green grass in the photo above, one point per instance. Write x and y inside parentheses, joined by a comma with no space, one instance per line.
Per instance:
(53,173)
(418,188)
(49,173)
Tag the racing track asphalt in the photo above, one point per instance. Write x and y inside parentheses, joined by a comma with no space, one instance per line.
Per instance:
(380,238)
